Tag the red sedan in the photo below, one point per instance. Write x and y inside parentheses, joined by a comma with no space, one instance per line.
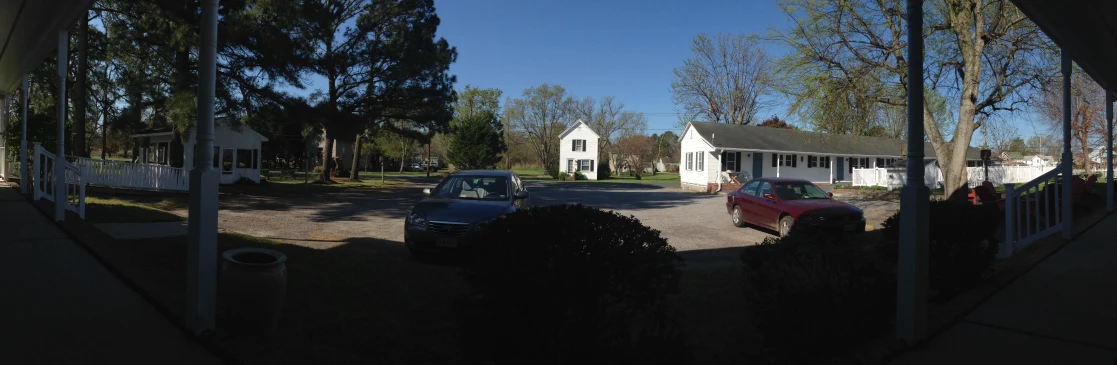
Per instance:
(779,204)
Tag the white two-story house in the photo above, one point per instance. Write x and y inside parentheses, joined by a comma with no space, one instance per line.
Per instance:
(578,150)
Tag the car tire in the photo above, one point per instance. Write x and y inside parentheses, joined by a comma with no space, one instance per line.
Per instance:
(785,226)
(735,216)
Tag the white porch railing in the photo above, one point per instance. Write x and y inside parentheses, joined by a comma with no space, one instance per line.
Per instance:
(43,181)
(120,174)
(869,177)
(1032,211)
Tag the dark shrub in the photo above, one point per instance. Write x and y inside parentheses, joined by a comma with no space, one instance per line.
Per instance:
(571,285)
(578,175)
(963,244)
(814,295)
(603,171)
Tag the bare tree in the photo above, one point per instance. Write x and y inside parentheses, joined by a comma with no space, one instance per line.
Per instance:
(541,114)
(985,55)
(724,80)
(1087,117)
(611,122)
(638,150)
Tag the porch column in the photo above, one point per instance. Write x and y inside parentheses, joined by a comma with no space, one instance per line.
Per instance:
(60,150)
(831,165)
(24,173)
(911,281)
(1068,163)
(779,162)
(1108,151)
(4,103)
(201,289)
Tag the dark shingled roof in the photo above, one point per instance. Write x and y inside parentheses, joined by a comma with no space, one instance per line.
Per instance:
(722,135)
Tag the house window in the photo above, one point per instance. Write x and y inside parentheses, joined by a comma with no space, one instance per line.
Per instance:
(578,145)
(227,160)
(812,161)
(585,165)
(787,160)
(244,159)
(701,161)
(569,165)
(690,161)
(730,161)
(858,163)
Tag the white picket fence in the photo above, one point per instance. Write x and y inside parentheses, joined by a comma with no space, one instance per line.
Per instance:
(43,180)
(998,175)
(120,174)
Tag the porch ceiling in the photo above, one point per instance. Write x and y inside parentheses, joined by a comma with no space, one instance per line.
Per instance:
(1087,29)
(29,32)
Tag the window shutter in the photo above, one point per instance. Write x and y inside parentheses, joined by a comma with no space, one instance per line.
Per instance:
(573,145)
(723,156)
(737,161)
(583,145)
(591,165)
(775,159)
(794,160)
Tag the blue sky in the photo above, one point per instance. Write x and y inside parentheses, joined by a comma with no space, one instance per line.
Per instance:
(622,48)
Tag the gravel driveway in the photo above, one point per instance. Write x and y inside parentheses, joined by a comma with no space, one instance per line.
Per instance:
(372,220)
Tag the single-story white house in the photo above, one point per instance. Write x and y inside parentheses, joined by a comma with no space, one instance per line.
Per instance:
(236,150)
(578,150)
(709,148)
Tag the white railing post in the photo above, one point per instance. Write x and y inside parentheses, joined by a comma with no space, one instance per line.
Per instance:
(81,191)
(37,191)
(1007,247)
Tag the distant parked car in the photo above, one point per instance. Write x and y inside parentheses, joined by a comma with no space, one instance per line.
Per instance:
(420,167)
(452,214)
(780,204)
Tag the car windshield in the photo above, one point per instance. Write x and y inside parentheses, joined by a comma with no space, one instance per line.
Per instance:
(474,188)
(799,190)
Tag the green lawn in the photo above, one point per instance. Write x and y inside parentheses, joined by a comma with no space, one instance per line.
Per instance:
(112,210)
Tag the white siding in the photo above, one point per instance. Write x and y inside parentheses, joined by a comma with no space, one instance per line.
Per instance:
(582,132)
(693,144)
(227,138)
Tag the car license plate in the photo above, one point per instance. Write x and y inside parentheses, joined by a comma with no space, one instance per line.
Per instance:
(849,227)
(446,242)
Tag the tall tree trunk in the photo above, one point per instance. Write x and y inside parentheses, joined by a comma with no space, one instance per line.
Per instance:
(327,156)
(104,129)
(428,164)
(80,149)
(176,151)
(356,159)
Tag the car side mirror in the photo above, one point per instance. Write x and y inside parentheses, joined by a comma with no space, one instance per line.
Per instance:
(768,196)
(830,194)
(522,194)
(427,191)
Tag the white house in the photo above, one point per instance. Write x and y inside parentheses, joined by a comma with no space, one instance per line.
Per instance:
(236,150)
(708,148)
(578,150)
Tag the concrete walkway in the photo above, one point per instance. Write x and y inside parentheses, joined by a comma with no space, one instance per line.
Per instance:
(1063,311)
(59,305)
(133,231)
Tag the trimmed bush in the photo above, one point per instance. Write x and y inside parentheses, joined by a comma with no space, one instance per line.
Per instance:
(591,292)
(814,295)
(603,171)
(963,245)
(578,175)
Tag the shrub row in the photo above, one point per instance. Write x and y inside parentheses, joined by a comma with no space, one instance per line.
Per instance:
(592,292)
(814,295)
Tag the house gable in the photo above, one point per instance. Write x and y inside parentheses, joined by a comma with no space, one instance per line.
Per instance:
(578,124)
